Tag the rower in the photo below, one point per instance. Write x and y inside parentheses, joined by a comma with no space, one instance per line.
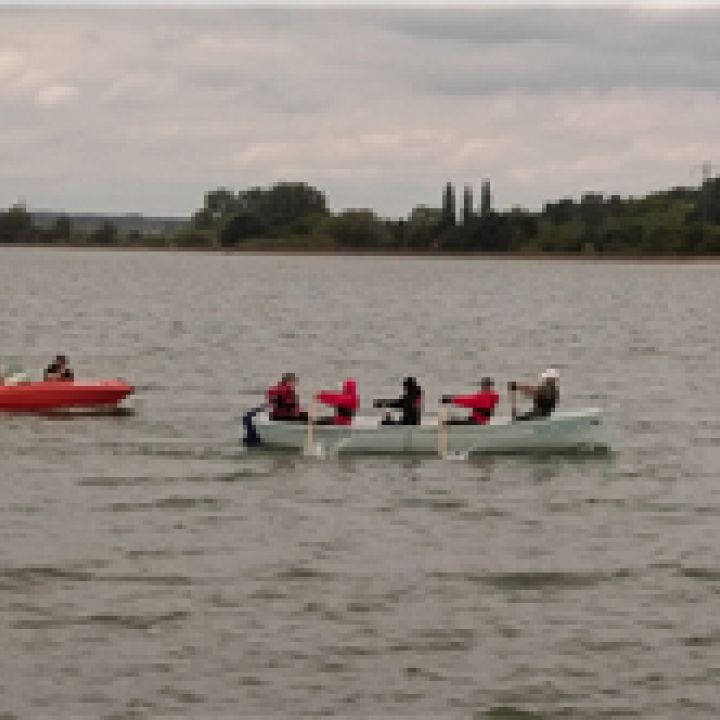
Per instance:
(283,400)
(58,370)
(545,395)
(410,403)
(482,404)
(345,402)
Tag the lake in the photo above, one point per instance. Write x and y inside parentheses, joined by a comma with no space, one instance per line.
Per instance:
(149,567)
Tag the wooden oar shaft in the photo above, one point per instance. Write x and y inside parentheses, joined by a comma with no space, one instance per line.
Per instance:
(312,410)
(442,431)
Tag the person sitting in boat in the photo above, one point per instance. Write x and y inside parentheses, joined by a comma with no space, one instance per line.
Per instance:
(345,402)
(409,403)
(59,370)
(481,403)
(283,400)
(545,395)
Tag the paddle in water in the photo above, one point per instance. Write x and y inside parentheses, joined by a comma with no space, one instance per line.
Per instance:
(312,449)
(442,416)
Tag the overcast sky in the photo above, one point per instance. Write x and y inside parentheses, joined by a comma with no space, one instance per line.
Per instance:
(131,109)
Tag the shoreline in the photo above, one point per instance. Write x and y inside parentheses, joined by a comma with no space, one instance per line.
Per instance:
(429,255)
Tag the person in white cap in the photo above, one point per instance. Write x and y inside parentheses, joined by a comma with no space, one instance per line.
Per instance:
(545,395)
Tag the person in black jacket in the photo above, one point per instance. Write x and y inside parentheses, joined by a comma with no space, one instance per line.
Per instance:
(545,395)
(59,370)
(409,403)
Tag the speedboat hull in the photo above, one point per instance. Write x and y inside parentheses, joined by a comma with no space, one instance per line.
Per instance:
(583,430)
(63,395)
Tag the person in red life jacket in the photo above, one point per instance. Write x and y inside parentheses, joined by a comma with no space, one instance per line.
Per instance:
(482,404)
(283,400)
(346,402)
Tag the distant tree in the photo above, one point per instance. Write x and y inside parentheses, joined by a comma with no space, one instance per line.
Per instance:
(468,210)
(359,229)
(397,230)
(16,225)
(524,224)
(710,244)
(202,219)
(423,227)
(135,237)
(455,238)
(448,205)
(220,204)
(242,226)
(560,212)
(106,234)
(60,230)
(495,232)
(615,204)
(485,198)
(285,203)
(708,201)
(592,209)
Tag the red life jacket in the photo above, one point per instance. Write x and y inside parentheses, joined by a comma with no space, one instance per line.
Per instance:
(283,401)
(346,402)
(481,403)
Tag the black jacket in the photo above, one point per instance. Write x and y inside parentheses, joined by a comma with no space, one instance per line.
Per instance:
(409,403)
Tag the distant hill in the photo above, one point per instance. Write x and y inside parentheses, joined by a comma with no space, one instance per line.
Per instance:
(125,223)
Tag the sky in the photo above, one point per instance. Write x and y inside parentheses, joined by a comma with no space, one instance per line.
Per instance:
(129,109)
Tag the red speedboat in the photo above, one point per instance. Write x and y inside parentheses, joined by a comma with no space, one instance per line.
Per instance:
(62,395)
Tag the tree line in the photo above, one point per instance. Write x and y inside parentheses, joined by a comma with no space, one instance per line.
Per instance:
(296,216)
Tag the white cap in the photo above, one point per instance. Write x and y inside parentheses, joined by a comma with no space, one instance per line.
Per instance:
(550,374)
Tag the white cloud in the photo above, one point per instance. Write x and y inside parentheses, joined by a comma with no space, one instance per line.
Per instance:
(10,62)
(51,95)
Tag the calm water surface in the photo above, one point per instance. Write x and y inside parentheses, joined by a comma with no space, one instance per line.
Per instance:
(150,568)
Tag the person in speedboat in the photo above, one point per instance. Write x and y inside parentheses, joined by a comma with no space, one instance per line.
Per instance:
(545,395)
(346,402)
(283,400)
(58,370)
(409,403)
(481,403)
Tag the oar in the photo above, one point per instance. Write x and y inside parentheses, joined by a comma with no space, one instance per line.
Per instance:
(458,455)
(312,449)
(309,430)
(442,431)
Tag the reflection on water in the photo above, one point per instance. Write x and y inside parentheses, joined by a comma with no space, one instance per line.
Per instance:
(151,567)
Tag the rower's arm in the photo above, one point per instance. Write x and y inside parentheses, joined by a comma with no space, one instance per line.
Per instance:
(527,390)
(464,401)
(383,403)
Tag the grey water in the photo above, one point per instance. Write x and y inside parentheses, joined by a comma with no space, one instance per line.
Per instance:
(149,567)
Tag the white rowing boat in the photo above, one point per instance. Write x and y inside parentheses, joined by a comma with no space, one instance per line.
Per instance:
(562,431)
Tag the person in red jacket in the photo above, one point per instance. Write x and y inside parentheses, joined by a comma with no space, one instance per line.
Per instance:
(482,404)
(345,402)
(283,400)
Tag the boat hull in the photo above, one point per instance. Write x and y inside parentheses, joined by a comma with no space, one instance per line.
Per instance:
(51,396)
(584,430)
